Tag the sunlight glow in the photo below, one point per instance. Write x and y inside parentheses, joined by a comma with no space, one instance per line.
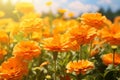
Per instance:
(15,1)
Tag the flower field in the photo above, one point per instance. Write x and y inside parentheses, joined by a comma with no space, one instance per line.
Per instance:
(36,47)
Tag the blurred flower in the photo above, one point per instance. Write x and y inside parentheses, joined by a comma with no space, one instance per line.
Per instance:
(71,14)
(48,77)
(24,7)
(83,34)
(108,58)
(59,26)
(36,36)
(49,3)
(71,23)
(94,52)
(26,50)
(13,69)
(4,38)
(5,21)
(117,20)
(9,27)
(62,11)
(31,25)
(107,22)
(2,53)
(111,34)
(93,19)
(30,15)
(47,30)
(2,14)
(81,66)
(14,30)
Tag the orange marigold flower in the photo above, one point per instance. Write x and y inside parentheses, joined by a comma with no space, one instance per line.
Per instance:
(81,66)
(82,34)
(108,59)
(13,69)
(25,7)
(93,19)
(4,37)
(26,50)
(117,20)
(58,43)
(2,53)
(54,43)
(31,25)
(111,34)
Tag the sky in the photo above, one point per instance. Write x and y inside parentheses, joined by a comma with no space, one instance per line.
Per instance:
(75,6)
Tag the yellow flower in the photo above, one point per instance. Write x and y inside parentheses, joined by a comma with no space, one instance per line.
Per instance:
(36,36)
(5,21)
(25,7)
(59,26)
(2,14)
(49,3)
(4,37)
(71,14)
(62,11)
(30,15)
(31,25)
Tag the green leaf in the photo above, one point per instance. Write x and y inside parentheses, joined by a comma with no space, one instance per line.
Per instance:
(110,75)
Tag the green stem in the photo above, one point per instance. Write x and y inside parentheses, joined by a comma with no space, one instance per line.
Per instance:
(79,76)
(114,48)
(80,55)
(90,48)
(113,57)
(55,69)
(55,64)
(50,21)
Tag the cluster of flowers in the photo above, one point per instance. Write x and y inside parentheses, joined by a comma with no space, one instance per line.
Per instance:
(25,39)
(17,66)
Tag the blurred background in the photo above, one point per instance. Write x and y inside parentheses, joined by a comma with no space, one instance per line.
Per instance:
(109,8)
